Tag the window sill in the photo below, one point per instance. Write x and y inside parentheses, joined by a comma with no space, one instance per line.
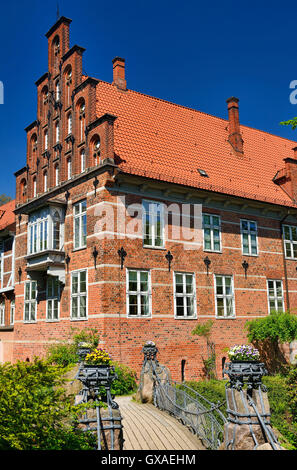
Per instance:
(213,251)
(79,249)
(142,317)
(78,319)
(225,318)
(154,247)
(185,318)
(6,328)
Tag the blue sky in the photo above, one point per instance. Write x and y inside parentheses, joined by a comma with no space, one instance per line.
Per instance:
(194,53)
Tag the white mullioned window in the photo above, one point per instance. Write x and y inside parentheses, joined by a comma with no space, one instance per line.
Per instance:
(153,224)
(45,181)
(38,231)
(79,295)
(52,298)
(211,232)
(138,293)
(224,296)
(2,313)
(34,187)
(45,140)
(275,295)
(69,121)
(57,174)
(57,132)
(184,295)
(30,304)
(80,224)
(290,241)
(249,241)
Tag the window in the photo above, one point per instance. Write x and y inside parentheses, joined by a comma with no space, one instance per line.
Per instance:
(138,293)
(96,150)
(249,237)
(69,123)
(275,295)
(45,140)
(153,224)
(30,301)
(12,312)
(34,187)
(68,84)
(211,232)
(80,224)
(82,161)
(224,296)
(56,231)
(82,119)
(45,181)
(57,132)
(69,168)
(58,94)
(52,298)
(184,295)
(290,241)
(38,231)
(2,313)
(79,295)
(57,174)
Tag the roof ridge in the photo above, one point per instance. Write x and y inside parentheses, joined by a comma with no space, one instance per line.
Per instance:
(200,112)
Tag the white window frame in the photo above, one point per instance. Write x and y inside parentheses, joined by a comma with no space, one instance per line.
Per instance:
(275,297)
(57,132)
(224,296)
(289,241)
(69,123)
(138,293)
(39,228)
(12,312)
(185,295)
(45,181)
(80,215)
(34,187)
(153,223)
(51,299)
(31,302)
(249,233)
(212,227)
(57,174)
(46,139)
(78,295)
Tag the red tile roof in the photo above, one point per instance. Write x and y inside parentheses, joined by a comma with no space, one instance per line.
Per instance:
(7,216)
(169,142)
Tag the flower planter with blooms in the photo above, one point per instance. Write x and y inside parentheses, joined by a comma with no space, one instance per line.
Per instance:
(243,353)
(98,357)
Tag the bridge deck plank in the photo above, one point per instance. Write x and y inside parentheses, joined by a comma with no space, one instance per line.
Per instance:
(148,428)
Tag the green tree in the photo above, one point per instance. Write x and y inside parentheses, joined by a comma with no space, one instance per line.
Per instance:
(204,330)
(4,199)
(268,332)
(290,122)
(35,411)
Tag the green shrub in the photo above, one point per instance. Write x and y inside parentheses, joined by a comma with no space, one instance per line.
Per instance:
(35,411)
(213,390)
(126,381)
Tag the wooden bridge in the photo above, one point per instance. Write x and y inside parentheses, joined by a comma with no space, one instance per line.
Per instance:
(148,428)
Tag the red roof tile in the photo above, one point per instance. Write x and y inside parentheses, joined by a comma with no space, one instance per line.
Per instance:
(169,142)
(7,216)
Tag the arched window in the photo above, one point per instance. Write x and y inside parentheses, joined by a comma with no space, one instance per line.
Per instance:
(33,144)
(23,189)
(82,119)
(44,101)
(56,231)
(96,150)
(56,45)
(82,160)
(68,82)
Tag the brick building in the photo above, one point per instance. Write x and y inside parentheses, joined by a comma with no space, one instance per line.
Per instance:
(141,218)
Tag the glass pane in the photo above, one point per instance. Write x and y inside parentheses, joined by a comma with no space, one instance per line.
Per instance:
(82,306)
(294,234)
(76,232)
(49,310)
(27,292)
(287,233)
(220,307)
(190,306)
(84,206)
(189,284)
(206,219)
(253,227)
(143,282)
(84,230)
(280,305)
(33,290)
(132,304)
(56,309)
(75,283)
(271,305)
(215,220)
(83,284)
(144,305)
(74,307)
(229,307)
(244,225)
(26,312)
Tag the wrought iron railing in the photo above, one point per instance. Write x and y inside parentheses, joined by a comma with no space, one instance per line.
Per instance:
(201,416)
